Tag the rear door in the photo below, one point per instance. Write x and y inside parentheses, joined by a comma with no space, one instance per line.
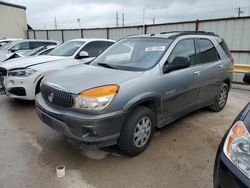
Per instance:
(210,70)
(179,87)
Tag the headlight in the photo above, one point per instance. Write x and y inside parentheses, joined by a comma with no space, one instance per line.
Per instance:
(96,98)
(237,147)
(21,72)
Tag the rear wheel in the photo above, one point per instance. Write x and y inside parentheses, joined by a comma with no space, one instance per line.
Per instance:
(221,98)
(137,131)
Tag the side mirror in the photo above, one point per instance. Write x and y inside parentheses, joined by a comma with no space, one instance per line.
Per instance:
(83,54)
(246,78)
(179,62)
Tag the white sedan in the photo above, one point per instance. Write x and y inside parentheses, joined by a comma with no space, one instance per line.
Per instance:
(20,78)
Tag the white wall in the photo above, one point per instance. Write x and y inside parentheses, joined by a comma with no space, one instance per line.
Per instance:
(13,23)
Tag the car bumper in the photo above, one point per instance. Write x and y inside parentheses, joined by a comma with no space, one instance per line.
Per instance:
(100,130)
(21,88)
(226,175)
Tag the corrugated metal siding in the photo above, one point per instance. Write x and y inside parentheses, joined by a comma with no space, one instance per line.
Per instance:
(95,33)
(55,35)
(171,27)
(13,22)
(235,32)
(31,34)
(241,58)
(41,35)
(118,33)
(71,34)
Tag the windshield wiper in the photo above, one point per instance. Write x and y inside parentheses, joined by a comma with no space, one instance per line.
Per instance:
(106,65)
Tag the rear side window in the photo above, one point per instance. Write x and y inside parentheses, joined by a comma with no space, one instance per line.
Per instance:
(208,52)
(225,48)
(186,48)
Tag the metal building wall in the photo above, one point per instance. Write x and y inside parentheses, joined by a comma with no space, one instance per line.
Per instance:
(118,33)
(71,34)
(171,27)
(94,33)
(13,23)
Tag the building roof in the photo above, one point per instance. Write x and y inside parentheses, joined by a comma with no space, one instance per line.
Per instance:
(12,5)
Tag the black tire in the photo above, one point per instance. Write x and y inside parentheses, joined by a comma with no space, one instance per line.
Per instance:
(127,141)
(218,106)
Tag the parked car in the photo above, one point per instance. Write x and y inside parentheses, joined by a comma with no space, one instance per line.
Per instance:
(5,41)
(21,77)
(22,46)
(139,83)
(232,163)
(42,50)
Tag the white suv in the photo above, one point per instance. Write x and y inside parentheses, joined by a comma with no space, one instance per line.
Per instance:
(20,78)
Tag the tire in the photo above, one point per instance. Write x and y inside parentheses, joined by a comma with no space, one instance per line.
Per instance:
(221,98)
(137,131)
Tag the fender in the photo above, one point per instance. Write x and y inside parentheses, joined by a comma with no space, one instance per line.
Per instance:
(149,96)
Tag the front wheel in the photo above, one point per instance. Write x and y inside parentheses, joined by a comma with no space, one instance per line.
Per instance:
(221,98)
(137,131)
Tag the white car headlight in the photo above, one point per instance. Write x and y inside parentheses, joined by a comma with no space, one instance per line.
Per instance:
(21,72)
(237,147)
(96,98)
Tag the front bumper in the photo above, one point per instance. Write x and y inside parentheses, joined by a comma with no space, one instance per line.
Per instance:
(21,87)
(100,130)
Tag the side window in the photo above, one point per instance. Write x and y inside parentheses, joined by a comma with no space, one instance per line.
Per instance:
(108,44)
(94,49)
(36,44)
(186,48)
(21,46)
(208,52)
(225,48)
(48,43)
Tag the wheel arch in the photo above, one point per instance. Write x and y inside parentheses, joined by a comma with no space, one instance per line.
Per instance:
(152,101)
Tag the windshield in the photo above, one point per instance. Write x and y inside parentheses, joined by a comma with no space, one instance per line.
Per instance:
(134,53)
(67,48)
(9,45)
(34,51)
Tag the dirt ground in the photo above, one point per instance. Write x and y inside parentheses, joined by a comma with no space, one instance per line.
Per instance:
(180,155)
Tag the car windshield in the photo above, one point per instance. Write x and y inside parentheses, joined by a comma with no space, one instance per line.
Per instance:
(134,53)
(67,48)
(9,45)
(34,51)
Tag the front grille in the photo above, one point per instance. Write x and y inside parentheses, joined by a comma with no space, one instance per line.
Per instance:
(57,97)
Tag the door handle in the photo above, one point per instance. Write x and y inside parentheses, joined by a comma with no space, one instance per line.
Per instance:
(221,66)
(197,73)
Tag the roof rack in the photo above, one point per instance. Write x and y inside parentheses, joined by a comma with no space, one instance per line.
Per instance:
(181,33)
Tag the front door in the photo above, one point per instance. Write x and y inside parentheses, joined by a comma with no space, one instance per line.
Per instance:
(179,87)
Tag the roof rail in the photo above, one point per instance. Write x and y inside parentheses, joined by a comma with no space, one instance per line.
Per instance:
(180,33)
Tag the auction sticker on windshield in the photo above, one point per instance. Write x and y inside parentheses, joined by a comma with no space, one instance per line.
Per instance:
(155,48)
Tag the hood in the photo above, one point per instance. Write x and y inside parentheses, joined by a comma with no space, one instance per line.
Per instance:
(25,62)
(60,64)
(79,78)
(4,54)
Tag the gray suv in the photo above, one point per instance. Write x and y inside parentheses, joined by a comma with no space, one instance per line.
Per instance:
(140,83)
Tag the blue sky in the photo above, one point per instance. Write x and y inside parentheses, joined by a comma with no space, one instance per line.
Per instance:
(99,13)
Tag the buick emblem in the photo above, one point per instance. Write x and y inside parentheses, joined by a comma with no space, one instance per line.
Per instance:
(51,97)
